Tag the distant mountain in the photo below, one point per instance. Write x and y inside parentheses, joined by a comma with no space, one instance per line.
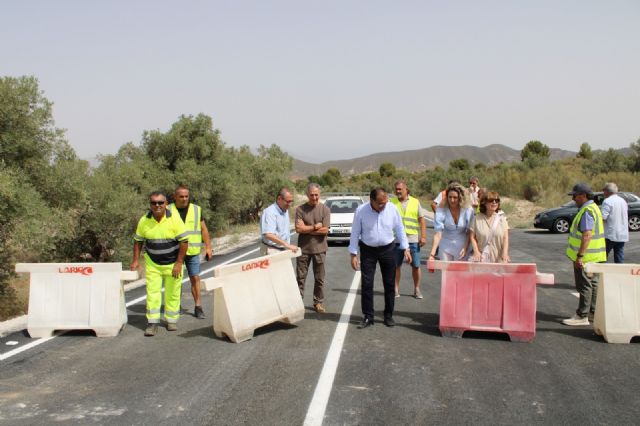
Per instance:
(419,159)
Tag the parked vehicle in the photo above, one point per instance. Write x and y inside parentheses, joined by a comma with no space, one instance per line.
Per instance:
(343,208)
(559,219)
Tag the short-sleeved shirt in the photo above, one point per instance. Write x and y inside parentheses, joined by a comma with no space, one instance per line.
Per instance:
(275,221)
(587,221)
(161,239)
(310,215)
(454,235)
(481,228)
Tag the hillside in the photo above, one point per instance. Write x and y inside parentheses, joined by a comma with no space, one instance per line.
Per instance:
(419,159)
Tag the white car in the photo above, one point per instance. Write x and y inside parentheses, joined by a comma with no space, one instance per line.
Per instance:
(343,208)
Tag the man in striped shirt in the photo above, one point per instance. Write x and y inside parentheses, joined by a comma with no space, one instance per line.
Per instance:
(165,242)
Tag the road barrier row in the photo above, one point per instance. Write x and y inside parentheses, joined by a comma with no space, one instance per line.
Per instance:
(251,294)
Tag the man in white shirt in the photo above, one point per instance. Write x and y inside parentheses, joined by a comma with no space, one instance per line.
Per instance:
(616,222)
(373,233)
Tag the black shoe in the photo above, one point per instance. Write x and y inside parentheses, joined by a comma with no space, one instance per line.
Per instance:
(199,313)
(366,322)
(389,322)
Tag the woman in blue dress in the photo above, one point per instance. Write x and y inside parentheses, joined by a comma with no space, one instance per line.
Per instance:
(451,225)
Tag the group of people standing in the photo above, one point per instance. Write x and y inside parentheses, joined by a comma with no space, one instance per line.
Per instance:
(468,225)
(172,235)
(593,234)
(391,236)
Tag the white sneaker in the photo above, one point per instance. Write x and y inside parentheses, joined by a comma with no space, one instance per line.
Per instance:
(417,294)
(576,320)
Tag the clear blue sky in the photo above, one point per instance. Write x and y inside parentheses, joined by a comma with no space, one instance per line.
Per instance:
(335,79)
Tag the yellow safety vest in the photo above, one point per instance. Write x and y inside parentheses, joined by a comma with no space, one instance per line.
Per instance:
(597,248)
(193,224)
(410,215)
(161,239)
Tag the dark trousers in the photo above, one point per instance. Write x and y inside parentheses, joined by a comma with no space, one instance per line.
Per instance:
(618,250)
(302,269)
(369,258)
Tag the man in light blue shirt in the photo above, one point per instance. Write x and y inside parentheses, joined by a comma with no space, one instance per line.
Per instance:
(616,222)
(373,234)
(274,225)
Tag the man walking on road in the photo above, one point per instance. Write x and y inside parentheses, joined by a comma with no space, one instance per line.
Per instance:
(193,219)
(274,225)
(616,222)
(415,227)
(586,244)
(165,241)
(312,226)
(372,235)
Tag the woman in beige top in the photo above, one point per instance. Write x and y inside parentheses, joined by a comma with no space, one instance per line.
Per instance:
(490,231)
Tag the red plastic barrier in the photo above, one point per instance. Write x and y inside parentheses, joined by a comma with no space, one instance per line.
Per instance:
(498,297)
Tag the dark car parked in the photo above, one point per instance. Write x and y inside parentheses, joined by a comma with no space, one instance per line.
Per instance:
(559,219)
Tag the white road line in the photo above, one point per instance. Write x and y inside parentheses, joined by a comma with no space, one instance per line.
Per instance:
(35,343)
(318,405)
(27,346)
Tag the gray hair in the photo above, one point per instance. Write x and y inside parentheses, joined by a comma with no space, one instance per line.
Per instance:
(611,187)
(284,191)
(312,185)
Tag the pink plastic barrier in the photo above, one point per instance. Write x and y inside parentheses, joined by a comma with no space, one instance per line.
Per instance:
(498,297)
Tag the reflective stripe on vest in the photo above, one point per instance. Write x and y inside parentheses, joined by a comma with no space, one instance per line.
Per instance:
(410,215)
(597,249)
(193,223)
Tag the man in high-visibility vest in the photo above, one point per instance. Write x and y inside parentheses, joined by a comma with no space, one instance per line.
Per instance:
(415,228)
(586,244)
(165,242)
(193,219)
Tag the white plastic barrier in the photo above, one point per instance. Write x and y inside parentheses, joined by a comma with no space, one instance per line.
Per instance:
(76,296)
(254,293)
(617,316)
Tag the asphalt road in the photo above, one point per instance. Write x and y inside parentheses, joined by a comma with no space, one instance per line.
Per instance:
(408,374)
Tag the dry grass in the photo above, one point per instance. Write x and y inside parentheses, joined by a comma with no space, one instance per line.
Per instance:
(21,286)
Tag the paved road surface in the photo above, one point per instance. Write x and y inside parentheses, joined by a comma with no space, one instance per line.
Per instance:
(385,376)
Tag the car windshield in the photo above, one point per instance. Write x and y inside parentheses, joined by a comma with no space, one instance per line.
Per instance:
(629,197)
(343,206)
(569,204)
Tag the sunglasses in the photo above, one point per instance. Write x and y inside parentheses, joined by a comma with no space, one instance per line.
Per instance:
(493,200)
(156,203)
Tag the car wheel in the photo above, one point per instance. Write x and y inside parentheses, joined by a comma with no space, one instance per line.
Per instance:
(560,225)
(634,223)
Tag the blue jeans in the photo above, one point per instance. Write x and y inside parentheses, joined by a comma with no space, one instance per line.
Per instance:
(618,250)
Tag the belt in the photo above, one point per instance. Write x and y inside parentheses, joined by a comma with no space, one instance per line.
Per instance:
(378,248)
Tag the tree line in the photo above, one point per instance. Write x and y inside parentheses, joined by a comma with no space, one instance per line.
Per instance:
(55,207)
